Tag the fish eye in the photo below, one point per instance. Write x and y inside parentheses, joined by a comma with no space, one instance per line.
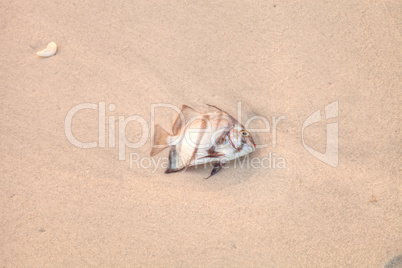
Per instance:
(244,133)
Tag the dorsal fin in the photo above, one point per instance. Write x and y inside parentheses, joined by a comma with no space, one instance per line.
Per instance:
(186,114)
(213,106)
(234,121)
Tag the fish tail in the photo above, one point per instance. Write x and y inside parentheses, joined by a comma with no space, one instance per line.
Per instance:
(175,164)
(160,139)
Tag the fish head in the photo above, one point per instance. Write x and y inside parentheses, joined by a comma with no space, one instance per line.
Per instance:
(241,139)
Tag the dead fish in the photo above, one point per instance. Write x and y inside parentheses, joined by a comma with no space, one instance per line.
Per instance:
(203,138)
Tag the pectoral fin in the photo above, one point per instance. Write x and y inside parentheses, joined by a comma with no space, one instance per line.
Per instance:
(216,169)
(212,153)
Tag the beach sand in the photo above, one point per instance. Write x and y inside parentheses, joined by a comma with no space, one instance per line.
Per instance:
(65,206)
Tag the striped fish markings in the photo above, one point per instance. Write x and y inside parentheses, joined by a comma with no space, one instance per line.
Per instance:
(203,138)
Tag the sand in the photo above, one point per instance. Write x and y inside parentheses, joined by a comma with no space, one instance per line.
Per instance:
(65,206)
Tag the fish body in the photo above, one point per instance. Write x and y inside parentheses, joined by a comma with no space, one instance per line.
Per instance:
(203,138)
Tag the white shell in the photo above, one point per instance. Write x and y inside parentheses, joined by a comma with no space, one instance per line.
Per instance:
(49,51)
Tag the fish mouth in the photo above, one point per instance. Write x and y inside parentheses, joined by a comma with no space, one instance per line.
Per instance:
(255,146)
(251,147)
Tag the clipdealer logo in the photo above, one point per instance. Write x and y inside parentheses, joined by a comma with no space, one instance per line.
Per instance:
(108,123)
